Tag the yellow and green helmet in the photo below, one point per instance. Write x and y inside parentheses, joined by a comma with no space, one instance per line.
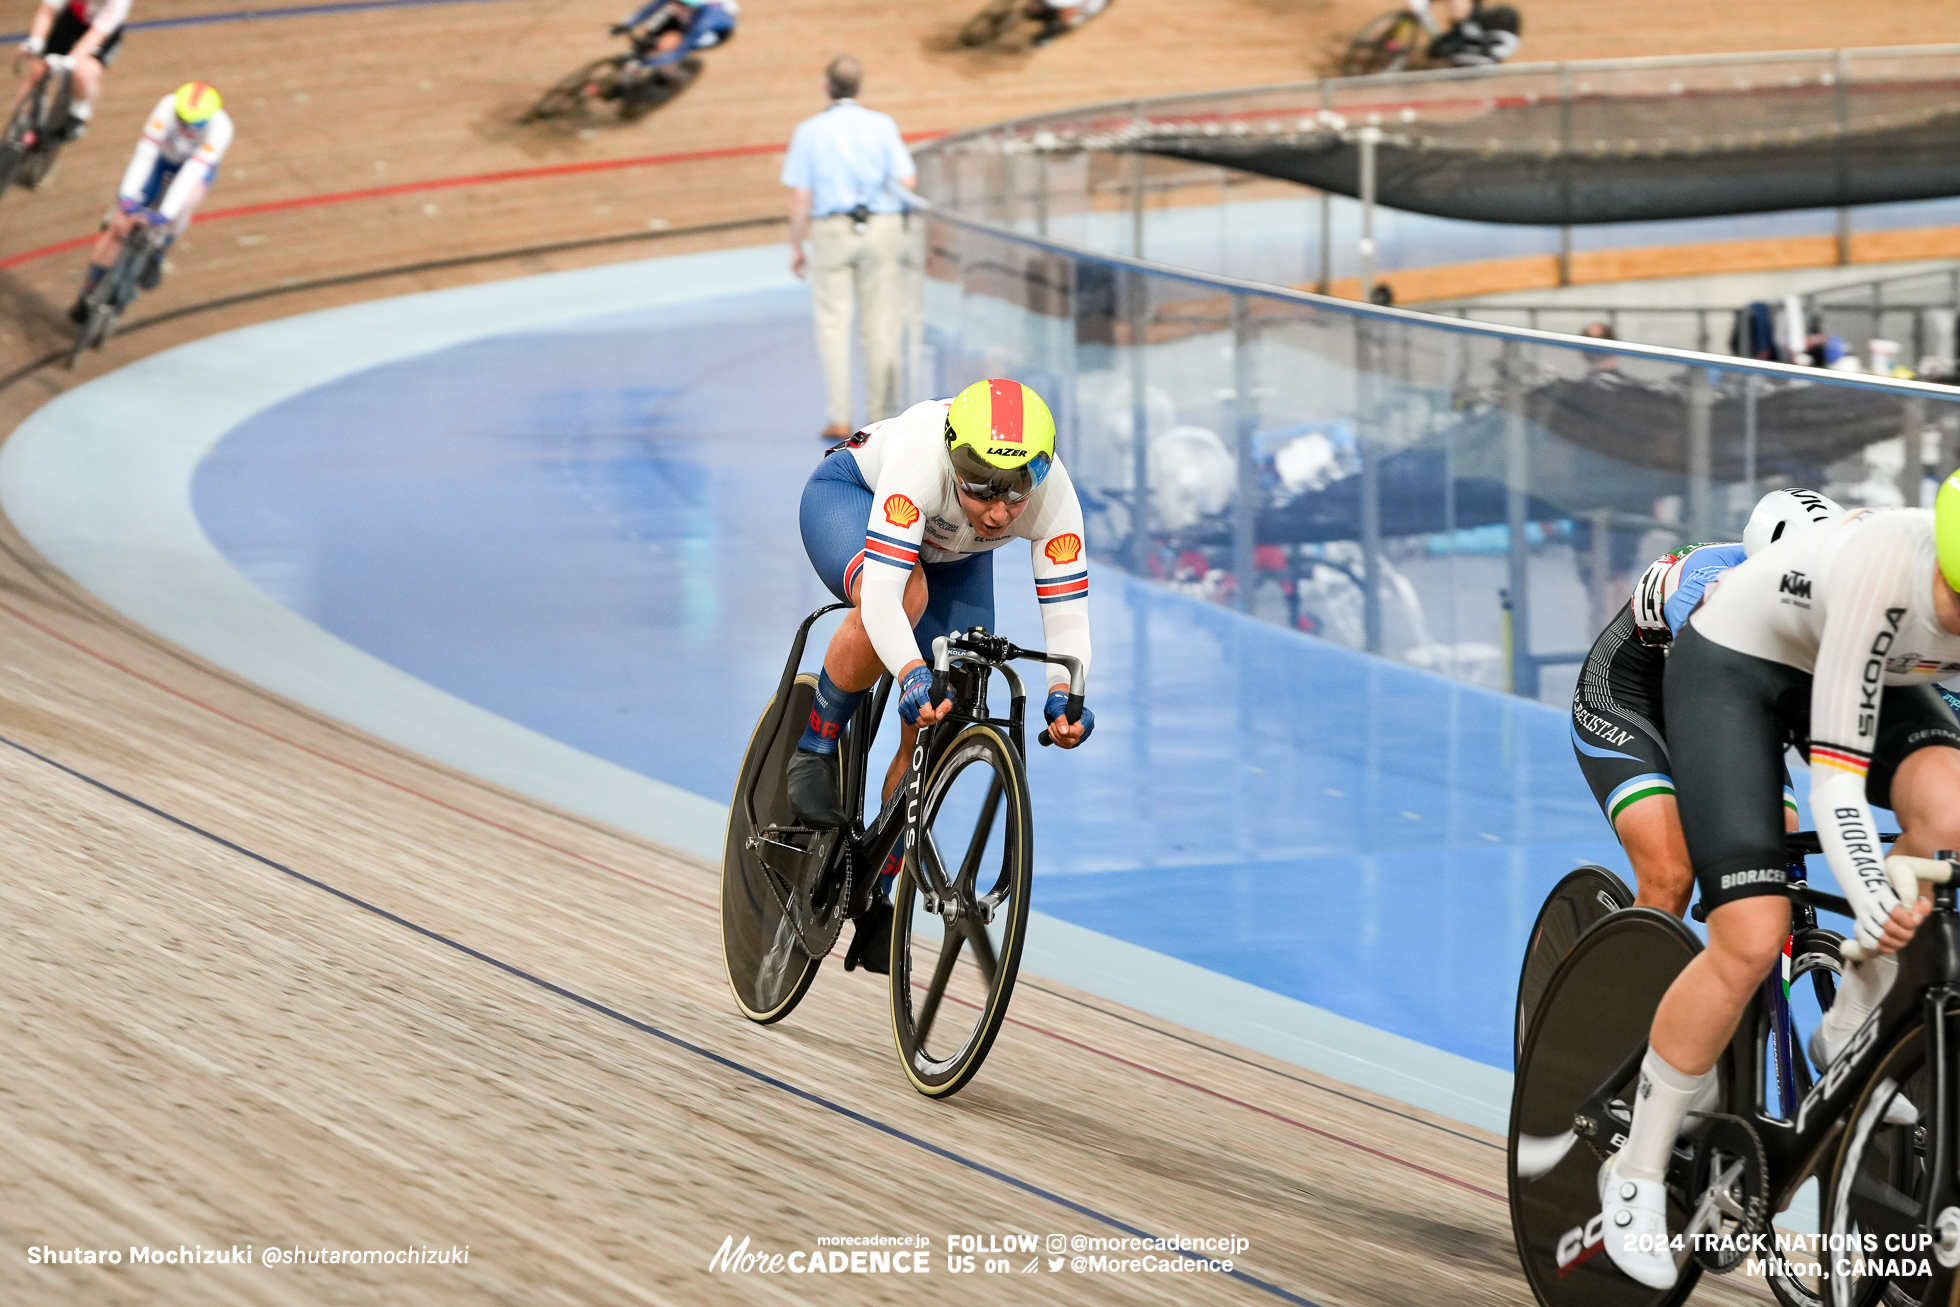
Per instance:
(197,103)
(1946,529)
(1001,438)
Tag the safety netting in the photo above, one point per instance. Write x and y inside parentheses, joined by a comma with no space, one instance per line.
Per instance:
(1631,141)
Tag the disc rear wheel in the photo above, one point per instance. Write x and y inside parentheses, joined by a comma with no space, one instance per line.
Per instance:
(955,956)
(1587,1036)
(768,970)
(1585,895)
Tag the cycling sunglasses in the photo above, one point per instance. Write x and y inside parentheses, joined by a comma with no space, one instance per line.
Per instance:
(987,491)
(1018,486)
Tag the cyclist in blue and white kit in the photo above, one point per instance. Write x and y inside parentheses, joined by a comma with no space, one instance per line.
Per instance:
(902,521)
(174,165)
(1619,725)
(698,25)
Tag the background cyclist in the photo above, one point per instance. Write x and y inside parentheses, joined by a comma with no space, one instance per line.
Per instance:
(902,521)
(1472,37)
(1619,724)
(1831,639)
(174,164)
(89,32)
(698,24)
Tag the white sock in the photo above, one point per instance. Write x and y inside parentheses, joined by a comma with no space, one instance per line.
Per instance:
(1861,989)
(1660,1105)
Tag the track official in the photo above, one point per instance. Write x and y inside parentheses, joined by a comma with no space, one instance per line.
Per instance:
(847,171)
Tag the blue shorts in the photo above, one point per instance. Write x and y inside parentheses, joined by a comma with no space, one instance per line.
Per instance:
(162,173)
(836,507)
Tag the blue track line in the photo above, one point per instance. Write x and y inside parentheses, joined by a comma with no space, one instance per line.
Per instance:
(727,1063)
(256,15)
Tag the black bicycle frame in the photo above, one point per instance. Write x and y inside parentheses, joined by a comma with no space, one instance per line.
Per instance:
(1926,989)
(963,662)
(977,655)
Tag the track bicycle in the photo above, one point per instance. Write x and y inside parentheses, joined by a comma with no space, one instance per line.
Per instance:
(34,138)
(104,305)
(617,80)
(1876,1127)
(957,927)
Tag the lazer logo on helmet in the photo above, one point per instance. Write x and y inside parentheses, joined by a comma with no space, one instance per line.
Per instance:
(1007,453)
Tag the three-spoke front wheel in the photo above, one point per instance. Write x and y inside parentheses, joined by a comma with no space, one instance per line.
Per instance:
(1877,1193)
(961,911)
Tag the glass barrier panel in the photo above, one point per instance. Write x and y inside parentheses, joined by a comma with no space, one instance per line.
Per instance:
(1461,500)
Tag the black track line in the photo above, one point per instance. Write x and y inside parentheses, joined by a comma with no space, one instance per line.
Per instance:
(676,1041)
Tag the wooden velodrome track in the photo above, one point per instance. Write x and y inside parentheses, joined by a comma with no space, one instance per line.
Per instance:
(266,981)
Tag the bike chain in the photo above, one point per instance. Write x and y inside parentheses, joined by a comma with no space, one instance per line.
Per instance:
(1734,1133)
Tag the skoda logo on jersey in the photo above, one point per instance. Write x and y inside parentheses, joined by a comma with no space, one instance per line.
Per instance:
(1794,584)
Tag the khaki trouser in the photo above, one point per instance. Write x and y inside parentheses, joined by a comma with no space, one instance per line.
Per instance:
(851,269)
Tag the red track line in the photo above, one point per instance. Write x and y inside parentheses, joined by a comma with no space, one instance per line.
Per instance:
(449,183)
(358,771)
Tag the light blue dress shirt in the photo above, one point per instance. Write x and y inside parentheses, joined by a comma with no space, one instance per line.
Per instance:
(848,155)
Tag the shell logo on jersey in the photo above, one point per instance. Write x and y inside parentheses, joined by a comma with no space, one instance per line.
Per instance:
(901,512)
(1064,549)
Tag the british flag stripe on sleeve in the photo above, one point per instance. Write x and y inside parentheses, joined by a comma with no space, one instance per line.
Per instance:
(1061,589)
(890,550)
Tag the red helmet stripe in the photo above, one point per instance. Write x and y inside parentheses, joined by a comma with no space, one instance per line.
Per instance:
(1006,405)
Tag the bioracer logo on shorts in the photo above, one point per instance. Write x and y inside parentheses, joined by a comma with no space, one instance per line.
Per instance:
(1755,876)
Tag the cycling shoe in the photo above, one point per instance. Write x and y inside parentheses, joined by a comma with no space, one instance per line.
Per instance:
(152,275)
(78,311)
(1634,1228)
(871,944)
(1900,1111)
(813,789)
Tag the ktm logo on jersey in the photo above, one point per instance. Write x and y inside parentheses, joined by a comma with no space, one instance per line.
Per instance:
(901,512)
(1794,583)
(1064,549)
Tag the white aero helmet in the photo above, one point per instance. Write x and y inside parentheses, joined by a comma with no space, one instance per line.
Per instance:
(1786,512)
